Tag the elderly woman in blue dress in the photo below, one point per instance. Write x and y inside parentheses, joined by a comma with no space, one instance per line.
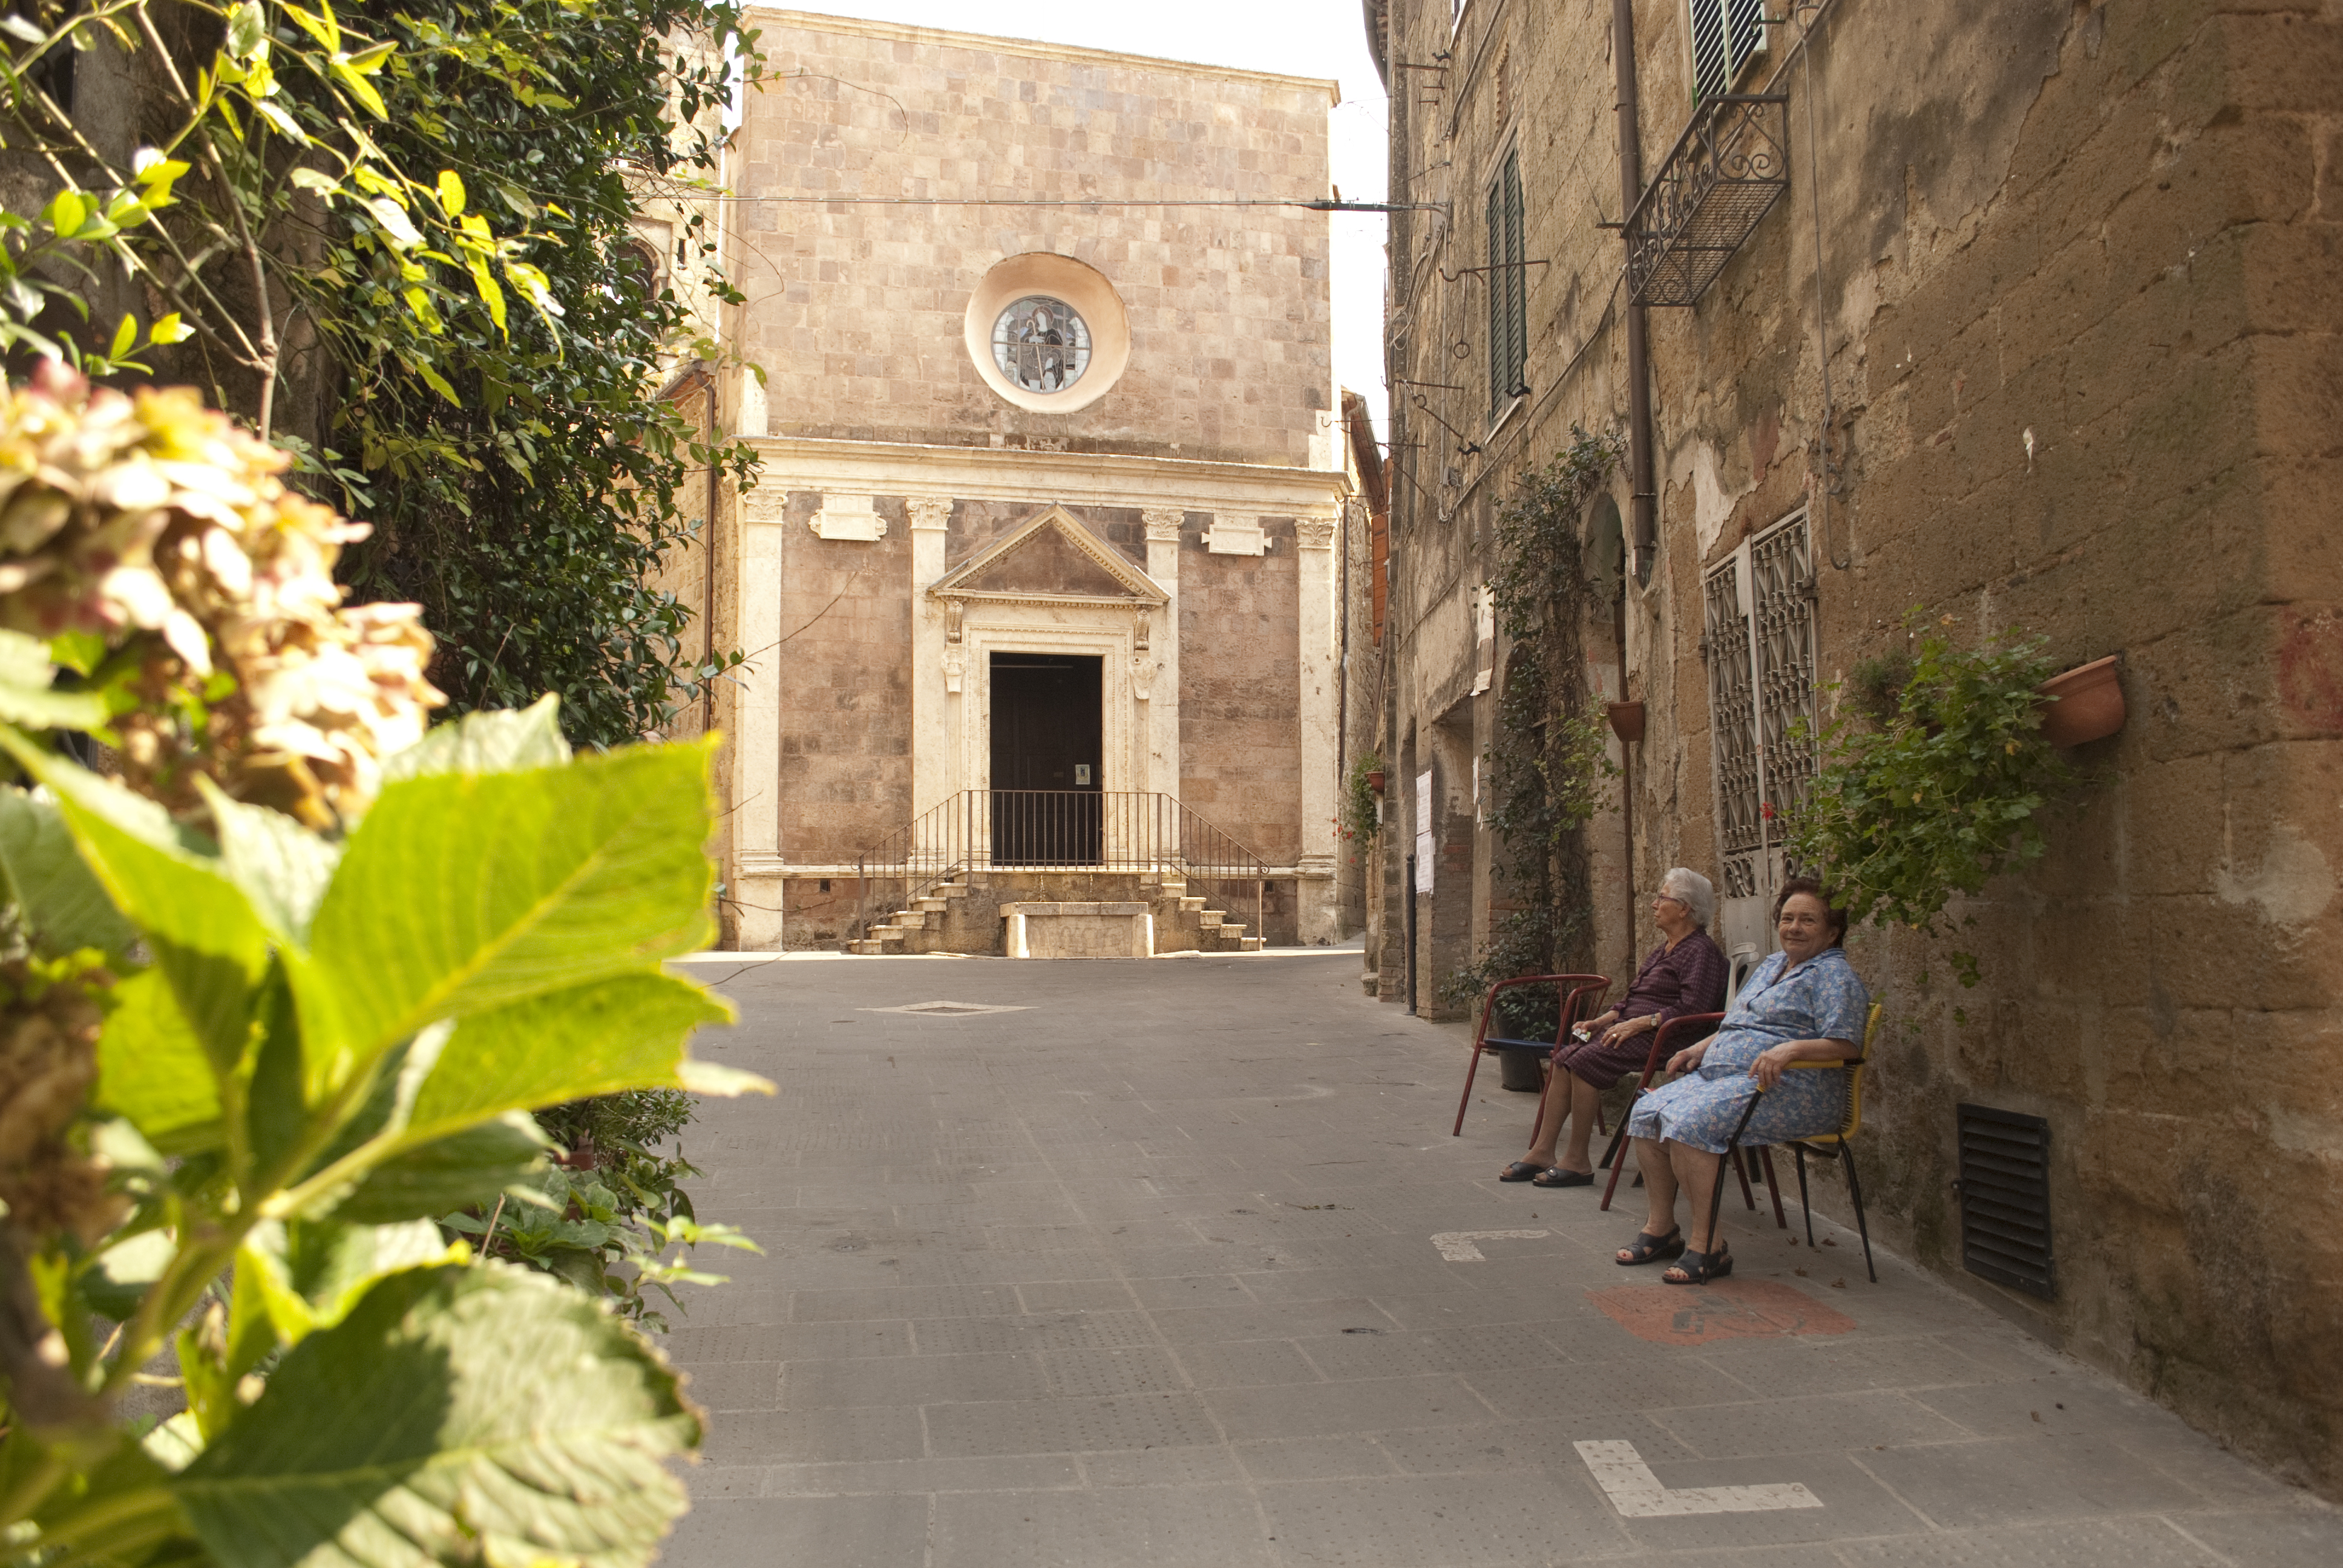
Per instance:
(1804,1003)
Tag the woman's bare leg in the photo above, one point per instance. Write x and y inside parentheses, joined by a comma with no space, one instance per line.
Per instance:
(1659,1185)
(1695,1172)
(1585,1099)
(1552,1106)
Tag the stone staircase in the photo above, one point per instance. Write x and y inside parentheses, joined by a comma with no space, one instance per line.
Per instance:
(965,914)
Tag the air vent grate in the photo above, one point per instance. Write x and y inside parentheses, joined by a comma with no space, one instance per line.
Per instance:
(2006,1198)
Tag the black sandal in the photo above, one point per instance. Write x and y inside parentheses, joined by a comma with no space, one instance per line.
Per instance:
(1650,1249)
(1555,1176)
(1699,1268)
(1520,1171)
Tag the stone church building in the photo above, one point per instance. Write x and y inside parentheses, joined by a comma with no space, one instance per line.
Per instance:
(1039,581)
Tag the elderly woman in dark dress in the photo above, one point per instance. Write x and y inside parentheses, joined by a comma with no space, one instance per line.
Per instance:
(1684,974)
(1804,1003)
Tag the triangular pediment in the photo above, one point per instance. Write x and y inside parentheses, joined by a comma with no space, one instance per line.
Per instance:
(1050,559)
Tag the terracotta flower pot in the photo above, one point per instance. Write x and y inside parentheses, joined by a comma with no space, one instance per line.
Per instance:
(1627,720)
(2085,703)
(1375,780)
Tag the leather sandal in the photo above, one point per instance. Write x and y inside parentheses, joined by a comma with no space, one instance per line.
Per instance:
(1648,1249)
(1520,1171)
(1699,1268)
(1555,1176)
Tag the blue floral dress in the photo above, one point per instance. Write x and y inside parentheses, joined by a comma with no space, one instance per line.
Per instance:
(1822,999)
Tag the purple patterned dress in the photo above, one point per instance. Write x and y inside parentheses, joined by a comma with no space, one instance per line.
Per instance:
(1674,982)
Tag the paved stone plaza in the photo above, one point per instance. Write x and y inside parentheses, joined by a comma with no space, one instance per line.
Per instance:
(1144,1271)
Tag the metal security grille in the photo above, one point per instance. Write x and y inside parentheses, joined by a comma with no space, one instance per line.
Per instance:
(1733,724)
(1725,34)
(2006,1198)
(1784,568)
(1508,290)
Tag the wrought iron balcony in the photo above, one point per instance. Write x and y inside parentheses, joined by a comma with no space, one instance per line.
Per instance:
(1724,175)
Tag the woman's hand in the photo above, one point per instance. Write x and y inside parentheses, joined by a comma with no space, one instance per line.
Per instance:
(1768,1069)
(1620,1033)
(1688,1057)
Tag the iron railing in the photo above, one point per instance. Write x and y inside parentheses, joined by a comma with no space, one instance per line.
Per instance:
(1071,830)
(1724,175)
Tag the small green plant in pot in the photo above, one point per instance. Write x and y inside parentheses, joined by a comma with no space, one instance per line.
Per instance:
(1933,777)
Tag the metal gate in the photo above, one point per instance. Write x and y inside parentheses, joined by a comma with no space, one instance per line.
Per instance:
(1758,641)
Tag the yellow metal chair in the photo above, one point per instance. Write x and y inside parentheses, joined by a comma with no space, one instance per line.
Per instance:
(1838,1145)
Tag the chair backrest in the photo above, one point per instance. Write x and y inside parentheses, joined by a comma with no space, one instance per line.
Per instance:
(1853,1122)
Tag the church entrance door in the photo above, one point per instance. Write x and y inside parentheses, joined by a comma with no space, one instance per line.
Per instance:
(1046,764)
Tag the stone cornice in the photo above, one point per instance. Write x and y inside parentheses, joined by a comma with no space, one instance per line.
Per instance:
(903,33)
(1076,479)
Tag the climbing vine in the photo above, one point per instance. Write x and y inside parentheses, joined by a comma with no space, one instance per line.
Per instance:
(1547,770)
(1361,818)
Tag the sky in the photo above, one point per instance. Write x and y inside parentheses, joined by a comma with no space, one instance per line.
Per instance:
(1295,37)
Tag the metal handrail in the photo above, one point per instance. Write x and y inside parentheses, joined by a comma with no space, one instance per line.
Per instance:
(1065,831)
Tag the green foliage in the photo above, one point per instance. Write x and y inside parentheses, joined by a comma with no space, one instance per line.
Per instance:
(316,1045)
(1548,770)
(337,224)
(1362,816)
(1939,795)
(626,1212)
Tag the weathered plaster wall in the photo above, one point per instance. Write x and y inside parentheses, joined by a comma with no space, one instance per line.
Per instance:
(855,311)
(2078,281)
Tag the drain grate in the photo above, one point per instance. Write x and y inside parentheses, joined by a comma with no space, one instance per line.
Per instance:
(2005,1189)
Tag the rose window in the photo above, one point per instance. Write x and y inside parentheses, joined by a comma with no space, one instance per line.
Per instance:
(1041,343)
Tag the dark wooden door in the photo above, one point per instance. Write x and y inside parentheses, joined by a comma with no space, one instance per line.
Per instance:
(1047,774)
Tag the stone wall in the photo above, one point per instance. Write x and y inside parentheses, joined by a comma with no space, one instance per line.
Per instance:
(2076,266)
(855,311)
(1240,692)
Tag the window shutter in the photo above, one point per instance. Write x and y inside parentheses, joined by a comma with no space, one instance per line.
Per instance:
(1508,290)
(1725,34)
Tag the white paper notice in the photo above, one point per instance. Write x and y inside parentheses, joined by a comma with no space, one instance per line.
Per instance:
(1423,855)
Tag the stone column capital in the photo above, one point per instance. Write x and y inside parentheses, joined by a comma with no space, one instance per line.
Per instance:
(1162,523)
(1315,533)
(929,513)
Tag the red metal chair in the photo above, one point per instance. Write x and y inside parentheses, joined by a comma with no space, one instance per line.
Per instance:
(1666,1041)
(1577,1002)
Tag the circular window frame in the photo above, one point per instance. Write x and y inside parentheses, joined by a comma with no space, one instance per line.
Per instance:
(1085,290)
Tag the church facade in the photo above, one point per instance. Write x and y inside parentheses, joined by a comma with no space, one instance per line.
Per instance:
(1045,538)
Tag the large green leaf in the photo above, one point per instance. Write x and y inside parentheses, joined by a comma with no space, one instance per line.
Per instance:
(152,1069)
(457,1415)
(627,1032)
(62,902)
(307,1275)
(456,1171)
(204,934)
(499,741)
(281,866)
(26,696)
(463,892)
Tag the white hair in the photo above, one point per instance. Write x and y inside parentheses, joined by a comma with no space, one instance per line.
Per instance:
(1694,891)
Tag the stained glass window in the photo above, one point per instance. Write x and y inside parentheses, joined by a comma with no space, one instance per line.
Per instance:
(1041,345)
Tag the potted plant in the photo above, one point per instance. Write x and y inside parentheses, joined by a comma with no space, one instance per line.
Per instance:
(1931,787)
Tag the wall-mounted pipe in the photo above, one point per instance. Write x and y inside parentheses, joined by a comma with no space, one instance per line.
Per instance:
(1643,501)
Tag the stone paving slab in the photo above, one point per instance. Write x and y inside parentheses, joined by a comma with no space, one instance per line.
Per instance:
(1144,1274)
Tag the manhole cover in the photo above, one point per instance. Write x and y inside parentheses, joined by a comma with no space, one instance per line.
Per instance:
(945,1008)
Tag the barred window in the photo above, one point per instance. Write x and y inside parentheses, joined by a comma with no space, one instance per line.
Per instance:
(1508,295)
(1041,343)
(1725,34)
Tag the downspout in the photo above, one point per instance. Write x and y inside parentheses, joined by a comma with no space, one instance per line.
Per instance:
(1644,498)
(708,595)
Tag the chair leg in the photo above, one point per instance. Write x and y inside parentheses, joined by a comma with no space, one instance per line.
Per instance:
(1743,1172)
(1465,1099)
(1855,1196)
(1800,1149)
(1773,1187)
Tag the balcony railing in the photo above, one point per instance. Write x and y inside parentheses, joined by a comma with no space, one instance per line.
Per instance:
(1724,173)
(1132,830)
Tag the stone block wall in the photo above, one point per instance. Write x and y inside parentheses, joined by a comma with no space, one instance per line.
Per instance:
(1240,691)
(2071,268)
(856,311)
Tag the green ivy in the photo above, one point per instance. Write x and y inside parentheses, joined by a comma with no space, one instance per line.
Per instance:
(1362,809)
(1930,788)
(1548,769)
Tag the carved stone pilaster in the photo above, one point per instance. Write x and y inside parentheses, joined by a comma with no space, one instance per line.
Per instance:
(929,512)
(1315,533)
(954,611)
(955,666)
(1139,621)
(1142,677)
(1162,524)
